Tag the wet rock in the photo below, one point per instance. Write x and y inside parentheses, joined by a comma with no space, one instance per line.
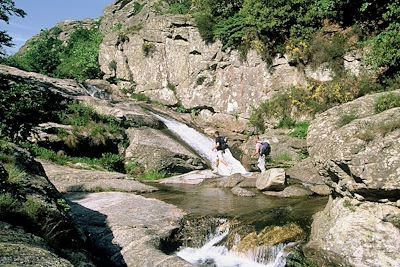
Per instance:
(249,182)
(291,191)
(231,181)
(154,150)
(270,236)
(194,177)
(272,179)
(127,228)
(353,233)
(68,179)
(241,192)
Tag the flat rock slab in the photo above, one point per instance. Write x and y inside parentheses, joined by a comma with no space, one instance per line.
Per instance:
(291,191)
(191,178)
(127,228)
(68,179)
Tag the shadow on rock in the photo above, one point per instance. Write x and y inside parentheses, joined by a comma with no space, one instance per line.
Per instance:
(100,236)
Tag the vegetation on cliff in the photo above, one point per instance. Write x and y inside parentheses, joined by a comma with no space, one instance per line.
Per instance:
(76,58)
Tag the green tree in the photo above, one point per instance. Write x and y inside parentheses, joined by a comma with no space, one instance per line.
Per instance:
(7,9)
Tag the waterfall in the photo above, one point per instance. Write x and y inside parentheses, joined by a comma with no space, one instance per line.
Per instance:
(95,92)
(213,255)
(203,146)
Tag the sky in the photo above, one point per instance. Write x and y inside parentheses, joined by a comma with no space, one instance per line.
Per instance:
(44,14)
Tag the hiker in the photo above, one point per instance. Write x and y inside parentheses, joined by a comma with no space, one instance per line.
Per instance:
(263,149)
(219,147)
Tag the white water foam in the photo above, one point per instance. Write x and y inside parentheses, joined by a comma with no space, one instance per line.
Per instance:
(203,146)
(220,256)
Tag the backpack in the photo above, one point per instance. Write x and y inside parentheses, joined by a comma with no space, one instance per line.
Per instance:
(265,148)
(222,141)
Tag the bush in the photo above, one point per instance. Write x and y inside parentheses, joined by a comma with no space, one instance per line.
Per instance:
(7,203)
(112,162)
(386,102)
(179,6)
(287,122)
(133,168)
(346,119)
(205,24)
(153,175)
(22,108)
(300,130)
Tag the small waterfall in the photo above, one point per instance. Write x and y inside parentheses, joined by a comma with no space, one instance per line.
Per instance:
(203,146)
(95,92)
(220,256)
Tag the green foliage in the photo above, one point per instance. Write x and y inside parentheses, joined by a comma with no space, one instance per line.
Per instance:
(148,48)
(76,59)
(133,168)
(179,6)
(141,97)
(23,108)
(287,122)
(205,24)
(386,102)
(346,119)
(15,175)
(300,130)
(7,9)
(112,162)
(32,208)
(43,54)
(181,109)
(137,7)
(7,203)
(200,80)
(63,205)
(79,59)
(153,175)
(171,86)
(297,259)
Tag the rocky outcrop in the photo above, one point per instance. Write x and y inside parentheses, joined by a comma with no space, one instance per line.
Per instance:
(168,61)
(362,157)
(357,152)
(156,151)
(67,179)
(31,202)
(353,233)
(127,228)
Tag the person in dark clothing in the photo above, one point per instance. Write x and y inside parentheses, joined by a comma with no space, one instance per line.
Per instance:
(219,147)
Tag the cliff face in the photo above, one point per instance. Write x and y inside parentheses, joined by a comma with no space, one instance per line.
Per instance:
(166,59)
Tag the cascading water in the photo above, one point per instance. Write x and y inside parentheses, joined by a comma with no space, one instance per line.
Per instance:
(220,256)
(203,146)
(95,92)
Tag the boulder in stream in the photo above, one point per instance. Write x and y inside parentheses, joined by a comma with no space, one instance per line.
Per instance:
(272,179)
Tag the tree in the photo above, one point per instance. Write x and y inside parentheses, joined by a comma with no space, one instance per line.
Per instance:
(7,8)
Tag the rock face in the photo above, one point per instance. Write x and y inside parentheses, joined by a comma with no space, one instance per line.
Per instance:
(353,233)
(127,229)
(156,151)
(363,156)
(357,152)
(169,61)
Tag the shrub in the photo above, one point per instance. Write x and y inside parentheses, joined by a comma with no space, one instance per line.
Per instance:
(205,24)
(179,6)
(386,102)
(300,130)
(346,119)
(137,7)
(22,108)
(7,203)
(112,162)
(148,48)
(15,175)
(133,168)
(153,175)
(32,208)
(181,109)
(287,122)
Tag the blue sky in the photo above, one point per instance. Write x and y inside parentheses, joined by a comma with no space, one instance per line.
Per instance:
(44,14)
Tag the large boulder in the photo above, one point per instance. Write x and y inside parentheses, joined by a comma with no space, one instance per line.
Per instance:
(272,179)
(290,191)
(352,233)
(154,150)
(363,156)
